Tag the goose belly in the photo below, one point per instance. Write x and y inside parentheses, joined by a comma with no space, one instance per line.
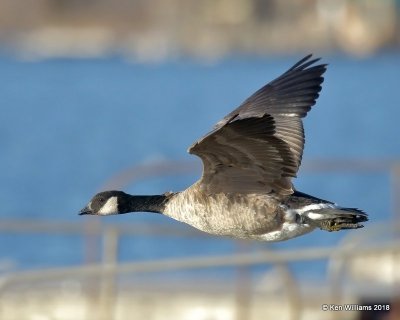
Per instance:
(242,216)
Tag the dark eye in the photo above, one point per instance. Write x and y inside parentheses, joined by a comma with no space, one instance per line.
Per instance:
(101,199)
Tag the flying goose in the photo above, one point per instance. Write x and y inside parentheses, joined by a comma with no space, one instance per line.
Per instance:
(249,160)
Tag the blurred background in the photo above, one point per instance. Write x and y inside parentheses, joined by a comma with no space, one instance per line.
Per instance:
(101,94)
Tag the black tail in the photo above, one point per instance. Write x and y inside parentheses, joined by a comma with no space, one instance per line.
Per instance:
(334,218)
(324,214)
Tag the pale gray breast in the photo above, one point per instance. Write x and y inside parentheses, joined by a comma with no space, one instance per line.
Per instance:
(225,214)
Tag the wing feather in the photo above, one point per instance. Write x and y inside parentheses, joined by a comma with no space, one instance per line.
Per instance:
(258,147)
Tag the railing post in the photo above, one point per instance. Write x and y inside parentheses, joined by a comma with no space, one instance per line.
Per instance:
(243,285)
(292,291)
(108,292)
(395,190)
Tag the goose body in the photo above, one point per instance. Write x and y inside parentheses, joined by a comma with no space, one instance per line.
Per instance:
(249,160)
(229,214)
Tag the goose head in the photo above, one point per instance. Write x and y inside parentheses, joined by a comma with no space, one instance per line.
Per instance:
(106,203)
(117,202)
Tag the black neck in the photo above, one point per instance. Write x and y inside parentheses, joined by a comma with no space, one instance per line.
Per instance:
(154,203)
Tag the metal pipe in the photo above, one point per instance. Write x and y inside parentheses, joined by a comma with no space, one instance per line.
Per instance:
(255,258)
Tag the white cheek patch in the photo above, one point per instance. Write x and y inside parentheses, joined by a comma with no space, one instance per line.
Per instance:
(110,207)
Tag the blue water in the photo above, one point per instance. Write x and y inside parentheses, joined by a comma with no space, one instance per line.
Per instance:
(69,125)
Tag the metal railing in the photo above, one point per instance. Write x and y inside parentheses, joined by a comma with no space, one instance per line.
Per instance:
(109,268)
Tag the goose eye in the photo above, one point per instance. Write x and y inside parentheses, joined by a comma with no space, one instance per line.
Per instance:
(101,199)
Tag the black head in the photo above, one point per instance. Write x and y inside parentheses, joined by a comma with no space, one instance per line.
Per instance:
(105,203)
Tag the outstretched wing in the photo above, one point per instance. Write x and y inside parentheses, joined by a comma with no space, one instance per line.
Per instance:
(257,148)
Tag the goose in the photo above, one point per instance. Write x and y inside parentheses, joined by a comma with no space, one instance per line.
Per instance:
(249,160)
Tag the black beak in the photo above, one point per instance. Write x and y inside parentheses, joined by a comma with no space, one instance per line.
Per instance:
(85,210)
